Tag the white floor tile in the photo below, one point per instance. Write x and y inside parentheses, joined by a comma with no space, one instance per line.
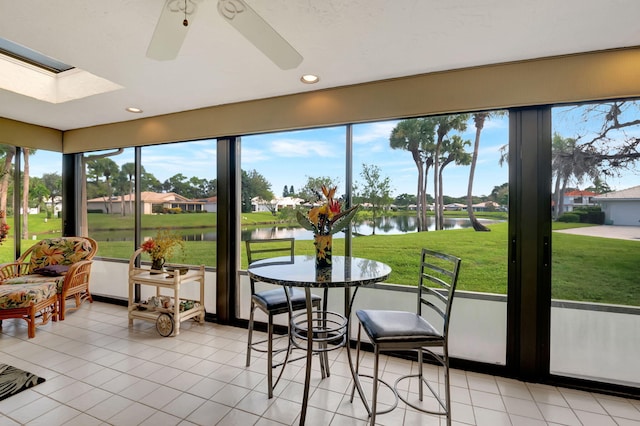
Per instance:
(112,375)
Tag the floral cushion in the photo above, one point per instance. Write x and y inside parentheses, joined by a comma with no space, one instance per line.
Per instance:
(59,251)
(22,295)
(35,279)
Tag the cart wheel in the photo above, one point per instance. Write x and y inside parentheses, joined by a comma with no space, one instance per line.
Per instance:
(164,324)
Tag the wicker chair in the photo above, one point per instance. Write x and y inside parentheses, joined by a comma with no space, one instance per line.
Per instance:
(47,260)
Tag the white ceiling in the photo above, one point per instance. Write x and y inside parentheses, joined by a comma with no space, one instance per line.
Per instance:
(343,41)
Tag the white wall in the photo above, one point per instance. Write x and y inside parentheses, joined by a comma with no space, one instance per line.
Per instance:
(111,279)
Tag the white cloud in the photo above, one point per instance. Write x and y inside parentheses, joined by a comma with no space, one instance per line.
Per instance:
(302,148)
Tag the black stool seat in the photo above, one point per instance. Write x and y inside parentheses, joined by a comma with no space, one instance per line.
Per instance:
(275,301)
(397,326)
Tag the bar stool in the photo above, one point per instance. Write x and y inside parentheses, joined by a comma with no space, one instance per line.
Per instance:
(272,303)
(399,330)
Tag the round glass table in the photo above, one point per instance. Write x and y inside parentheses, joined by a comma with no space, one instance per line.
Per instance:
(323,330)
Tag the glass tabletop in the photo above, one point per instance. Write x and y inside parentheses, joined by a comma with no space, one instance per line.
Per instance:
(346,271)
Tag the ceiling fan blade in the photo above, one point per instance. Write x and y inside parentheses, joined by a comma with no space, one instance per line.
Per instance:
(255,29)
(170,32)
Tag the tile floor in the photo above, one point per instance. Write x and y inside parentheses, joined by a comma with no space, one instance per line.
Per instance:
(100,372)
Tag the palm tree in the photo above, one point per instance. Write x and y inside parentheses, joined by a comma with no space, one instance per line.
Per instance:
(9,152)
(455,148)
(562,165)
(444,125)
(26,152)
(479,119)
(130,170)
(416,136)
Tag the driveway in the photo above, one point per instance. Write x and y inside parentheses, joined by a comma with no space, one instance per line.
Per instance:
(607,231)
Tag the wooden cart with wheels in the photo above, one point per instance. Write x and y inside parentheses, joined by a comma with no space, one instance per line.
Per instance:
(168,309)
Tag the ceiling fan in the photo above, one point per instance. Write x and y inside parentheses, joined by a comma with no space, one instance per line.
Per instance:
(170,32)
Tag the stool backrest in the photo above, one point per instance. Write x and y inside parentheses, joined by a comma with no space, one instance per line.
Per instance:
(266,249)
(274,247)
(438,280)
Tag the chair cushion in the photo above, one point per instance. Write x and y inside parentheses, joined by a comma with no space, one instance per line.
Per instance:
(397,326)
(36,279)
(59,251)
(22,295)
(276,300)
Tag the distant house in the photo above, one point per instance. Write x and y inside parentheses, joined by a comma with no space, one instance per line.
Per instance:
(576,199)
(455,207)
(621,207)
(278,203)
(486,206)
(54,207)
(210,204)
(150,201)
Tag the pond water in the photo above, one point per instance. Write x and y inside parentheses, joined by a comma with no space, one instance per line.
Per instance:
(384,226)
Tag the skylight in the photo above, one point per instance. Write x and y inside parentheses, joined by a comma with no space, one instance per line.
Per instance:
(32,57)
(29,73)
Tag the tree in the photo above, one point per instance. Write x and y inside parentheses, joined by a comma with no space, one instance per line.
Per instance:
(38,192)
(455,150)
(129,169)
(374,189)
(310,192)
(478,120)
(611,149)
(444,124)
(403,200)
(26,152)
(177,183)
(9,152)
(86,161)
(562,168)
(148,182)
(416,135)
(500,194)
(53,183)
(105,167)
(599,186)
(254,185)
(292,193)
(285,191)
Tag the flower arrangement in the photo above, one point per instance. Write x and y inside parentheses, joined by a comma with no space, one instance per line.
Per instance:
(324,221)
(327,219)
(163,245)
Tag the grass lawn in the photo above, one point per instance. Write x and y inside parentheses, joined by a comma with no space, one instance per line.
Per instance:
(586,269)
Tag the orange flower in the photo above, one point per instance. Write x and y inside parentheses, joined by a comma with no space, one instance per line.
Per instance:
(321,219)
(162,245)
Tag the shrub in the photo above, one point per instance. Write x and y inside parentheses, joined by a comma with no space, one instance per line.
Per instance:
(569,218)
(590,215)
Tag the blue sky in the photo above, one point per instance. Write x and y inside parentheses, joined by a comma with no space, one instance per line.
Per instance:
(288,158)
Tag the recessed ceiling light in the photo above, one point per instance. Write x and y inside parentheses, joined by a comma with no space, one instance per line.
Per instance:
(134,110)
(309,79)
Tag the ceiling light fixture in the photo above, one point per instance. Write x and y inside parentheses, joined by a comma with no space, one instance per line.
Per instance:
(309,79)
(134,110)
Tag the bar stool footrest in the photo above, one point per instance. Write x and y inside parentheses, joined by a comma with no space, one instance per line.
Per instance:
(414,406)
(329,330)
(391,388)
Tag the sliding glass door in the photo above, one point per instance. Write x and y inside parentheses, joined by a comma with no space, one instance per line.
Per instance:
(595,310)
